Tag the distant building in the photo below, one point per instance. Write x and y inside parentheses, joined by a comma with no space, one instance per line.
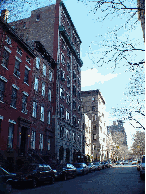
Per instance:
(93,105)
(141,14)
(53,28)
(118,128)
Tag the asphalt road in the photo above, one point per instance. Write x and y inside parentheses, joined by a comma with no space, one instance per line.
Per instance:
(117,180)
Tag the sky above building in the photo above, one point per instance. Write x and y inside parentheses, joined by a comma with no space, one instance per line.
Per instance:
(104,33)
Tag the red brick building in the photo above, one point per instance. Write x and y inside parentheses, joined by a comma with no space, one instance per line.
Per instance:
(16,64)
(53,27)
(26,97)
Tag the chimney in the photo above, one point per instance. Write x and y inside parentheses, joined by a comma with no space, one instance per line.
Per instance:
(4,14)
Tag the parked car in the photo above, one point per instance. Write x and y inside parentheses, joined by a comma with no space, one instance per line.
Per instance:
(142,167)
(64,171)
(6,181)
(125,162)
(102,165)
(118,163)
(134,162)
(33,174)
(97,165)
(91,167)
(82,168)
(138,165)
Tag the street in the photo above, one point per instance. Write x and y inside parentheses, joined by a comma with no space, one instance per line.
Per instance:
(116,180)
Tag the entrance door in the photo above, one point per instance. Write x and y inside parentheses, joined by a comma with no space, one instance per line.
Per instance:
(23,140)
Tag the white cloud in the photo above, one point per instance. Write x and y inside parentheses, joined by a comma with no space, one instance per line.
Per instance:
(91,76)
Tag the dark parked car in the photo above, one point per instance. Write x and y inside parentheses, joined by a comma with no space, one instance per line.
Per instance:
(64,171)
(33,174)
(91,167)
(97,165)
(6,181)
(102,165)
(82,168)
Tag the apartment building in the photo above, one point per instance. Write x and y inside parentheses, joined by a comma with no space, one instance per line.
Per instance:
(93,105)
(52,26)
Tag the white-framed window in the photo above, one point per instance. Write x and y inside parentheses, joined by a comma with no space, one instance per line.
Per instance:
(41,142)
(49,145)
(28,59)
(94,136)
(67,115)
(19,51)
(34,109)
(61,93)
(62,58)
(33,135)
(24,103)
(49,117)
(8,40)
(42,113)
(67,134)
(43,89)
(36,84)
(67,98)
(37,62)
(62,75)
(50,75)
(73,136)
(10,135)
(49,95)
(44,69)
(2,90)
(5,59)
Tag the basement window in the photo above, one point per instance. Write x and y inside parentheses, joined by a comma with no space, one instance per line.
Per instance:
(38,17)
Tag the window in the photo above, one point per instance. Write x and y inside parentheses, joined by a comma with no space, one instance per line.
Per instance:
(42,113)
(62,75)
(37,17)
(33,135)
(62,59)
(43,89)
(41,142)
(8,40)
(24,103)
(17,68)
(73,136)
(74,104)
(67,115)
(49,95)
(74,120)
(93,108)
(94,127)
(2,90)
(61,112)
(26,75)
(68,81)
(36,84)
(14,97)
(37,62)
(34,109)
(61,131)
(19,51)
(44,69)
(67,134)
(74,90)
(93,99)
(50,75)
(74,75)
(48,144)
(5,58)
(49,117)
(28,59)
(68,66)
(61,93)
(67,98)
(94,136)
(10,135)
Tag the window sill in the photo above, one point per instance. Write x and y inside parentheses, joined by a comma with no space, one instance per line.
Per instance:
(16,76)
(25,112)
(4,67)
(26,83)
(13,107)
(1,101)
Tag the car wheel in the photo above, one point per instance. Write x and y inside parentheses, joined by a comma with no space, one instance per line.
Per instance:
(52,180)
(8,188)
(34,183)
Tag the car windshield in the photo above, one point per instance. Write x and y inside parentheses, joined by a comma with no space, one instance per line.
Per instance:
(96,163)
(28,168)
(78,165)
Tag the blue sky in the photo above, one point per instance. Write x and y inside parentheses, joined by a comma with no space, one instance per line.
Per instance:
(98,35)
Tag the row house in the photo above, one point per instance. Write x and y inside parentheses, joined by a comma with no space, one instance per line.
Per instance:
(53,27)
(26,93)
(93,105)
